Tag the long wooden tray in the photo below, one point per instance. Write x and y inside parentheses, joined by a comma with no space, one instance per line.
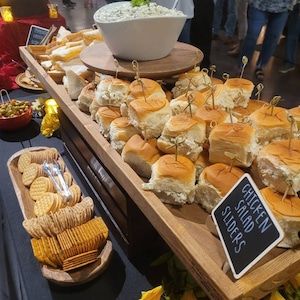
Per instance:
(184,228)
(74,277)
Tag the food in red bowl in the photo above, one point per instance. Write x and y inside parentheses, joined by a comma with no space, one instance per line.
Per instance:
(14,115)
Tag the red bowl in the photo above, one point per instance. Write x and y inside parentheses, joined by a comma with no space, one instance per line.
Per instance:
(14,123)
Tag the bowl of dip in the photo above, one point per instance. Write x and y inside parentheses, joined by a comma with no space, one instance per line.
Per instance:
(146,32)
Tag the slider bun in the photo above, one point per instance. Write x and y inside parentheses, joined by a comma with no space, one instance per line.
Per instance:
(104,117)
(214,183)
(149,116)
(121,122)
(151,87)
(120,132)
(212,116)
(112,92)
(192,80)
(173,180)
(179,104)
(181,123)
(238,139)
(263,118)
(181,169)
(86,97)
(142,107)
(190,133)
(253,105)
(235,133)
(202,162)
(192,74)
(287,213)
(269,127)
(140,155)
(234,92)
(295,112)
(239,83)
(220,176)
(289,207)
(277,164)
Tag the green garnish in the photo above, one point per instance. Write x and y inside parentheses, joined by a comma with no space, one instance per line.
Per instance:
(139,2)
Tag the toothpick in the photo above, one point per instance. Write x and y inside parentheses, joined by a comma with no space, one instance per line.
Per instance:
(244,61)
(176,144)
(203,72)
(145,135)
(176,149)
(292,120)
(225,76)
(117,65)
(230,114)
(246,120)
(232,158)
(136,68)
(213,88)
(274,102)
(143,88)
(213,69)
(289,183)
(259,88)
(188,87)
(190,100)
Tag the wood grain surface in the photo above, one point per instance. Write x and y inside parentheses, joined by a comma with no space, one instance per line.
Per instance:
(182,58)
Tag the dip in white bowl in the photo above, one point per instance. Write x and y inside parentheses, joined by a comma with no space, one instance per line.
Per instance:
(125,11)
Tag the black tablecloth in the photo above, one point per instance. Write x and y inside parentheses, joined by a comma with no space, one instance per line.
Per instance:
(20,275)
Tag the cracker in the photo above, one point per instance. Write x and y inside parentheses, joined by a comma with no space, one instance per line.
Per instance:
(40,186)
(44,205)
(30,173)
(24,161)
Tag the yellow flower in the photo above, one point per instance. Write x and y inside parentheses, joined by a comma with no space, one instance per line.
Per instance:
(276,296)
(50,122)
(153,294)
(188,295)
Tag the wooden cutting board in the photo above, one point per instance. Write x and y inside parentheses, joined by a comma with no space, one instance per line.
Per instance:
(182,58)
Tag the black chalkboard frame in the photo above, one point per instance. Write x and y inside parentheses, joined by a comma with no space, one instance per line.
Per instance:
(239,274)
(31,31)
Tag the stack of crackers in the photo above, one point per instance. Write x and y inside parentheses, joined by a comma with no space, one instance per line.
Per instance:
(64,233)
(74,247)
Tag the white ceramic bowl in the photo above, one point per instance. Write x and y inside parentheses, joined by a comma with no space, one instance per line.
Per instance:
(141,38)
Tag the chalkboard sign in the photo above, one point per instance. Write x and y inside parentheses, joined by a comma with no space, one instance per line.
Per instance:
(36,35)
(246,226)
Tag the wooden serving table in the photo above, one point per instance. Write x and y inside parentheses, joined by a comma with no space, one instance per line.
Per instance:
(183,229)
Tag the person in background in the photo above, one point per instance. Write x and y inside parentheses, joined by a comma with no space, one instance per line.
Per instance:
(201,28)
(230,20)
(242,24)
(187,7)
(292,39)
(273,14)
(69,3)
